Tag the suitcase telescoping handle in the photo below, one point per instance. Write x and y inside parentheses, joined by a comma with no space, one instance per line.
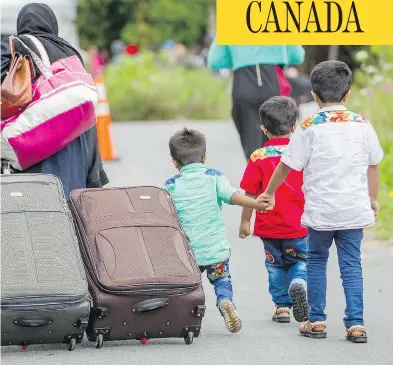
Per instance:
(33,321)
(150,305)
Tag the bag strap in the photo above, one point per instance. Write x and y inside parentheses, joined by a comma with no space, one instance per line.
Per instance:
(11,45)
(45,71)
(41,49)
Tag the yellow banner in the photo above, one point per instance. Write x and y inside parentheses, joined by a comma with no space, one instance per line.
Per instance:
(308,22)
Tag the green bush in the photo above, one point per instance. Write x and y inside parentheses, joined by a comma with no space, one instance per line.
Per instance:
(149,87)
(371,97)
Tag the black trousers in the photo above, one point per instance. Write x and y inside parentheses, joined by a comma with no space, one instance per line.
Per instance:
(252,86)
(246,118)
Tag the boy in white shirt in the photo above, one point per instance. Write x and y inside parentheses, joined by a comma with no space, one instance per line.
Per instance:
(339,152)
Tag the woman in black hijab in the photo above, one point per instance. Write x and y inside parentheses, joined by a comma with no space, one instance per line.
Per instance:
(78,165)
(40,21)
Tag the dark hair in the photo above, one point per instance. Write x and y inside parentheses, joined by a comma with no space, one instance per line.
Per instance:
(278,115)
(187,146)
(331,81)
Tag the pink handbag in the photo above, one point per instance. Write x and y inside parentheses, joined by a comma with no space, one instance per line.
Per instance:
(63,108)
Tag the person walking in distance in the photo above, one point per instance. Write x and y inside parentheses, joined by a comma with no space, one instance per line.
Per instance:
(258,75)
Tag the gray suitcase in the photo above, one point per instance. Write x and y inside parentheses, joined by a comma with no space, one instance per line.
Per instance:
(44,294)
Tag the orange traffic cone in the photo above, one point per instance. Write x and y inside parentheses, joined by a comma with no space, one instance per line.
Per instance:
(104,122)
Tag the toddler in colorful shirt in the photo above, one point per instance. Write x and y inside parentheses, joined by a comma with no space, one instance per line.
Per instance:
(284,239)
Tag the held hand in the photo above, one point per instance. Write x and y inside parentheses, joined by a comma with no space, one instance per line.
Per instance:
(267,199)
(261,206)
(244,230)
(375,206)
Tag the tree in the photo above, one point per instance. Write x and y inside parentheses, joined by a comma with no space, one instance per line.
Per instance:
(183,21)
(100,22)
(145,22)
(317,54)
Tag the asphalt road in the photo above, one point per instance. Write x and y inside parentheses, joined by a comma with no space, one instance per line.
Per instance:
(145,159)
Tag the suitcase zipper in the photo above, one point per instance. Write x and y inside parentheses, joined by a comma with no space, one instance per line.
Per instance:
(51,302)
(149,288)
(30,182)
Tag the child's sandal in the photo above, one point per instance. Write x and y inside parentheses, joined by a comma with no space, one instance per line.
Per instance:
(282,315)
(313,329)
(357,334)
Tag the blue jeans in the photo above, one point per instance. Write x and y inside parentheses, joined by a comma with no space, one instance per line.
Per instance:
(348,251)
(286,264)
(219,276)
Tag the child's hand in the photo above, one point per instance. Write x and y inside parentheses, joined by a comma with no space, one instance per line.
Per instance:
(244,230)
(375,206)
(267,199)
(261,206)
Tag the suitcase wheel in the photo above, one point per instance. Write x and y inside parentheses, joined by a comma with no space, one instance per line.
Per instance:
(99,341)
(189,339)
(71,344)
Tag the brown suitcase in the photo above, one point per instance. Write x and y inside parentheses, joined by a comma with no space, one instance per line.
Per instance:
(142,274)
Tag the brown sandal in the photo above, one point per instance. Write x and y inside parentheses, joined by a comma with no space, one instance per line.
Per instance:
(282,315)
(357,334)
(313,329)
